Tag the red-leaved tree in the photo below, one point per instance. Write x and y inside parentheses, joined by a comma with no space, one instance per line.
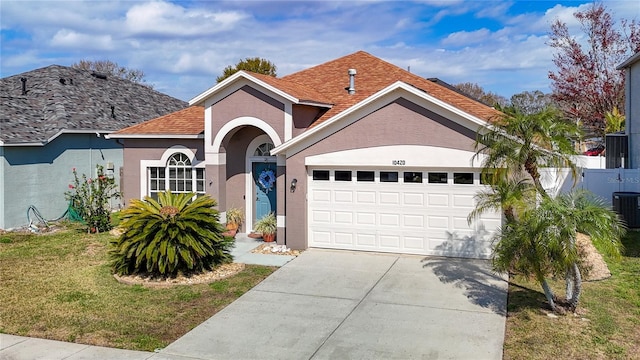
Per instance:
(586,84)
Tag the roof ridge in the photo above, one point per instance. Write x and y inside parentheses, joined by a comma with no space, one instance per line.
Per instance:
(362,52)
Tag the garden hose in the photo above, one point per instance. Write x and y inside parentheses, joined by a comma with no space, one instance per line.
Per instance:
(73,216)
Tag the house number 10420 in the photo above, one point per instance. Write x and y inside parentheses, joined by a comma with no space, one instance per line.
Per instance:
(397,162)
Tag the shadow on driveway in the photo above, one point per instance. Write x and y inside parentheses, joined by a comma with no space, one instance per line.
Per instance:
(481,286)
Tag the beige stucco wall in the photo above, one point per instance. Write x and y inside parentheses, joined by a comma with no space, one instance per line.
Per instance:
(303,116)
(248,102)
(399,123)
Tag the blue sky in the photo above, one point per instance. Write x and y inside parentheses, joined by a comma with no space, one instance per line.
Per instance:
(182,46)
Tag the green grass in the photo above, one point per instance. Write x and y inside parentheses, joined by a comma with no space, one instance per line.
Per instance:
(608,324)
(59,286)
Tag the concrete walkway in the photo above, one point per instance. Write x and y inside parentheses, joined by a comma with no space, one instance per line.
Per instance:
(332,305)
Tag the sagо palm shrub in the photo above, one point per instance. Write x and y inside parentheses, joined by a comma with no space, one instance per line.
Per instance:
(170,236)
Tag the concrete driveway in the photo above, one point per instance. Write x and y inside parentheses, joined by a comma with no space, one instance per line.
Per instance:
(353,305)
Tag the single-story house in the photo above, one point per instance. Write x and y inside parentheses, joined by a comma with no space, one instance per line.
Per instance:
(54,119)
(355,153)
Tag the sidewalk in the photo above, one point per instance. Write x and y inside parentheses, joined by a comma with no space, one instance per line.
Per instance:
(23,348)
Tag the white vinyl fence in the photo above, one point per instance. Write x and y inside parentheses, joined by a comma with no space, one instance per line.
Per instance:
(604,182)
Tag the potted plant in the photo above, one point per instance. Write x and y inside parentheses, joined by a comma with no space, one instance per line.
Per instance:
(235,218)
(267,226)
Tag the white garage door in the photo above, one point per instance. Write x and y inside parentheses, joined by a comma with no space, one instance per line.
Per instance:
(417,211)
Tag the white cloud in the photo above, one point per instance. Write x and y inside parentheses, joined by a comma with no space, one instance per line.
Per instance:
(173,20)
(70,39)
(467,37)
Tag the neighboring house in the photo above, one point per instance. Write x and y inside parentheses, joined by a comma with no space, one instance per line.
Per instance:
(355,153)
(55,119)
(624,177)
(632,108)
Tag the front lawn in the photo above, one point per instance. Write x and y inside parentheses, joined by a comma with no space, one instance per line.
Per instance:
(608,324)
(59,286)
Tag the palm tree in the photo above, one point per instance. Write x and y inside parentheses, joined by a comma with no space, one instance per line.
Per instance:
(170,236)
(525,142)
(568,214)
(521,248)
(542,242)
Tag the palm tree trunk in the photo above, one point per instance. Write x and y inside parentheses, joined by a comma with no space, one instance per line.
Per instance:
(569,284)
(531,167)
(548,293)
(577,288)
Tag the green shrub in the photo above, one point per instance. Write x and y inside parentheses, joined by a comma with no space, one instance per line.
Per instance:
(170,236)
(90,197)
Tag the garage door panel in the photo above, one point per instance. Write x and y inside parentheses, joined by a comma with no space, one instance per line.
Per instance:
(389,198)
(391,242)
(463,201)
(387,219)
(413,199)
(413,221)
(321,216)
(319,195)
(365,197)
(365,240)
(460,223)
(343,217)
(365,219)
(439,222)
(320,237)
(343,238)
(438,200)
(414,243)
(343,196)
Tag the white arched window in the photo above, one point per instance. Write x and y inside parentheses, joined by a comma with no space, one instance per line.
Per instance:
(264,150)
(178,175)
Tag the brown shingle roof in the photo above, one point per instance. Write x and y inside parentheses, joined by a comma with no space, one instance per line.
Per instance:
(324,84)
(373,75)
(189,121)
(299,91)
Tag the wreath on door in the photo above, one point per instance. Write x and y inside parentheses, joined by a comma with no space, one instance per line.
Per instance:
(266,179)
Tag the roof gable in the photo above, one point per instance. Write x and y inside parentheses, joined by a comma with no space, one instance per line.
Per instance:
(57,99)
(387,95)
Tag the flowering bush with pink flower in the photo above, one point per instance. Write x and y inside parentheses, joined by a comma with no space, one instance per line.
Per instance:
(90,197)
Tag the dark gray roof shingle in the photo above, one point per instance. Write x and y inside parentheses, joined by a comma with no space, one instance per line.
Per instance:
(60,98)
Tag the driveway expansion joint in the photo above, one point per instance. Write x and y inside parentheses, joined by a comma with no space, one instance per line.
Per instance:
(353,309)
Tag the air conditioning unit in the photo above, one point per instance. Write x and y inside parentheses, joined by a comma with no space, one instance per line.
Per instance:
(627,204)
(617,151)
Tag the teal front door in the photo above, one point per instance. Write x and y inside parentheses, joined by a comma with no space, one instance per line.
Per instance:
(264,179)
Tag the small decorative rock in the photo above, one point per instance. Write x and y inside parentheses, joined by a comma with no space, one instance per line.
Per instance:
(275,249)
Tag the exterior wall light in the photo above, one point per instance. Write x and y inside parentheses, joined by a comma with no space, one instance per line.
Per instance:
(294,183)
